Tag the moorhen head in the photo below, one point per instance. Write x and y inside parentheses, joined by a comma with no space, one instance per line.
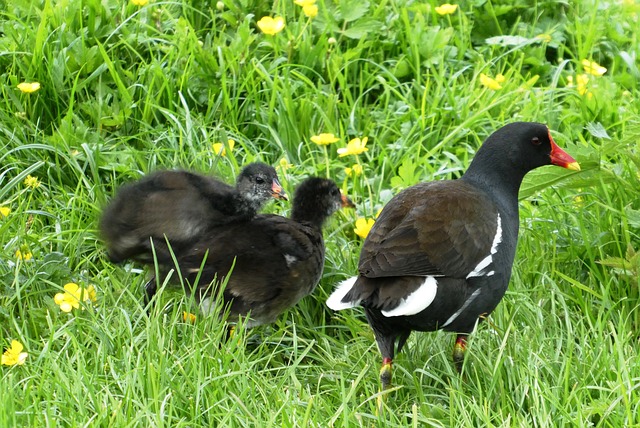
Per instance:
(276,260)
(179,206)
(440,254)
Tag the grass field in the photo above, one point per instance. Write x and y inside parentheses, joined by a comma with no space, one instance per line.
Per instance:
(125,89)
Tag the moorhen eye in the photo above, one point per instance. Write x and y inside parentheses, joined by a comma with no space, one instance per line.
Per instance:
(440,254)
(259,180)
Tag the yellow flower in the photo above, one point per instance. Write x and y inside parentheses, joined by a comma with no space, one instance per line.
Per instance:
(363,226)
(24,254)
(31,181)
(491,83)
(29,87)
(271,26)
(189,317)
(139,2)
(355,170)
(310,11)
(14,355)
(73,295)
(354,147)
(219,148)
(593,68)
(581,83)
(4,211)
(324,139)
(446,9)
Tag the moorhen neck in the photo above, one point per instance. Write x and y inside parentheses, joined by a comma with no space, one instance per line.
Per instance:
(440,254)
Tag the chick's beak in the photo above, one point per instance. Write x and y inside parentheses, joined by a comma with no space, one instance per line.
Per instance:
(346,202)
(561,158)
(277,190)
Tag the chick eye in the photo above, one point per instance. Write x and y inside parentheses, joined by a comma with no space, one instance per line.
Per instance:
(535,141)
(259,180)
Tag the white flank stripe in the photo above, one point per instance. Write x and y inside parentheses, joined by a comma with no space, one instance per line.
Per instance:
(335,300)
(417,301)
(462,308)
(484,263)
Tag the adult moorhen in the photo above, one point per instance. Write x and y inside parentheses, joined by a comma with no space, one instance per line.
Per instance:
(440,254)
(276,260)
(180,206)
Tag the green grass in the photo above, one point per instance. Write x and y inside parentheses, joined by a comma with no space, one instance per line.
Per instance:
(127,90)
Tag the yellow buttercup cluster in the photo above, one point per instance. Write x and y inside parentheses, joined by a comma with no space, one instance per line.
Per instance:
(73,295)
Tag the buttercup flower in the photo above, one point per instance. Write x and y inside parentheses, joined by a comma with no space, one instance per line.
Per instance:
(23,254)
(310,11)
(355,170)
(73,295)
(309,7)
(324,139)
(29,87)
(593,68)
(188,317)
(4,211)
(271,26)
(354,147)
(492,83)
(446,9)
(31,181)
(14,355)
(363,226)
(219,148)
(139,2)
(581,84)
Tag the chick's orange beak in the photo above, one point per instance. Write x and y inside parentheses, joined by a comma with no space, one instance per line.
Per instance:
(561,158)
(277,190)
(346,202)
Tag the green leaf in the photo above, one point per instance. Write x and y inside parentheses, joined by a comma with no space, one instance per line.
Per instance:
(350,10)
(406,174)
(597,130)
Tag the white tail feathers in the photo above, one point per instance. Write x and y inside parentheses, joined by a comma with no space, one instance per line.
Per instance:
(335,300)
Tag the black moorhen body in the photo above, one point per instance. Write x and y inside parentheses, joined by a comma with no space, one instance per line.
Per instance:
(278,260)
(440,254)
(179,206)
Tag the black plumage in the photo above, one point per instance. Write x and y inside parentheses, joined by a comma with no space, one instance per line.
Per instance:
(179,206)
(276,260)
(440,254)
